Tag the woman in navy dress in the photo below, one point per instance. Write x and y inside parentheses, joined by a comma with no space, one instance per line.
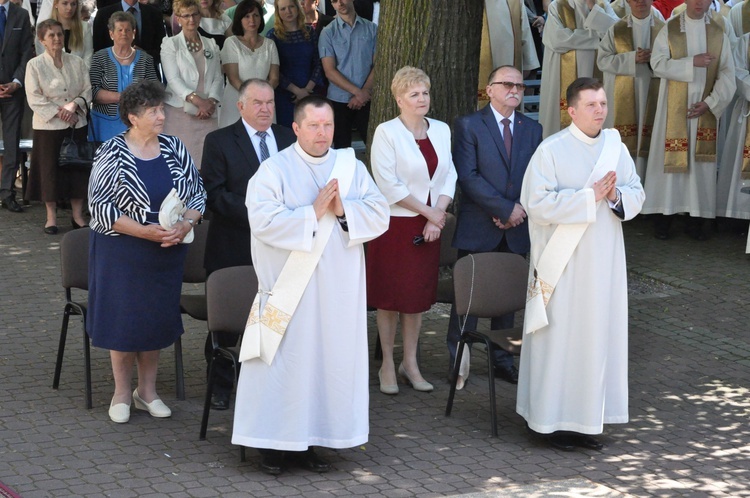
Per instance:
(299,62)
(135,265)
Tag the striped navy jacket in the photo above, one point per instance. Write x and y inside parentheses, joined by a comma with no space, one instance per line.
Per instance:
(116,190)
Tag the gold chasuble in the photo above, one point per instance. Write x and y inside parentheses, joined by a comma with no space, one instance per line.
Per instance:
(486,63)
(745,18)
(676,141)
(626,120)
(568,63)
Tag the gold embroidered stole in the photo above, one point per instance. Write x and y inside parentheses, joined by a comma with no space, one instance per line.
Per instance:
(568,63)
(745,18)
(676,140)
(745,172)
(626,119)
(486,64)
(515,20)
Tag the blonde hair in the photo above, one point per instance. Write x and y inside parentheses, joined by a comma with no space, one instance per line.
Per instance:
(407,77)
(179,5)
(278,25)
(76,29)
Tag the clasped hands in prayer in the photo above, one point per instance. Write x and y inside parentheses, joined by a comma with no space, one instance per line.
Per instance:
(329,198)
(606,187)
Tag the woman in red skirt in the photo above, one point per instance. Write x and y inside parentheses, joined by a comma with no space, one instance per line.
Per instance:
(413,167)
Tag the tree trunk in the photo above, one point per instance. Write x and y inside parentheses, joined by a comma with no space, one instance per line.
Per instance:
(441,37)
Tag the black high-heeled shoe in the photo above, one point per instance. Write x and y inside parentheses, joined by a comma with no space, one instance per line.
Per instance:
(51,230)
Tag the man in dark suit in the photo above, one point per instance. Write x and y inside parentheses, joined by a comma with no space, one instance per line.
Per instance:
(149,31)
(231,155)
(491,150)
(16,48)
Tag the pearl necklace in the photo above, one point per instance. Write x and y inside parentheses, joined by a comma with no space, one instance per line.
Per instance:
(132,51)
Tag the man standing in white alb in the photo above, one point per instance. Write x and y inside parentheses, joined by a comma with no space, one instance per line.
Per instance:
(578,188)
(505,21)
(625,59)
(571,36)
(692,55)
(304,377)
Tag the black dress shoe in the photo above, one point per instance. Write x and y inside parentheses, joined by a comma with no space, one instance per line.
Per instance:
(562,442)
(311,461)
(590,442)
(51,230)
(508,374)
(273,462)
(220,401)
(11,205)
(75,225)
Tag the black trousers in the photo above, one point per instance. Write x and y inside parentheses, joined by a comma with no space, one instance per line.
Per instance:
(11,114)
(344,120)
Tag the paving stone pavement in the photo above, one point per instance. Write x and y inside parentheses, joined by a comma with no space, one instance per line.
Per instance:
(689,405)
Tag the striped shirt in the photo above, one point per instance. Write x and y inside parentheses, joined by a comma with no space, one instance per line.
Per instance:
(116,190)
(104,75)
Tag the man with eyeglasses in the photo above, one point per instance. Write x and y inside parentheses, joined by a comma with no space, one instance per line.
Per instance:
(491,149)
(571,36)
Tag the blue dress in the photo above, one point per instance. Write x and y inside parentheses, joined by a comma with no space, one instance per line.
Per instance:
(135,284)
(299,63)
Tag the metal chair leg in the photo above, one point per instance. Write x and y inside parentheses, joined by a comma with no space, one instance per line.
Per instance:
(491,377)
(61,347)
(178,370)
(87,364)
(207,401)
(454,376)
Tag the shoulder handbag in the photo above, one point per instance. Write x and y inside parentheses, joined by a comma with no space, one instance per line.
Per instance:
(78,152)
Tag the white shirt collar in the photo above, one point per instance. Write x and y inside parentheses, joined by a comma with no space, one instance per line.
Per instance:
(499,117)
(576,132)
(308,158)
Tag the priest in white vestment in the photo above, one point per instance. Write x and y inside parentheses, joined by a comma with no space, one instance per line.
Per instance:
(574,370)
(682,179)
(505,36)
(615,59)
(315,390)
(734,170)
(571,37)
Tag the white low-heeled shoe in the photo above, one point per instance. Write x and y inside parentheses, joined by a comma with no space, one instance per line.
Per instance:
(119,413)
(423,386)
(156,408)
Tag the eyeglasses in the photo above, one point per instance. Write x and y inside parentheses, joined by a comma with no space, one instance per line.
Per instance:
(186,17)
(509,85)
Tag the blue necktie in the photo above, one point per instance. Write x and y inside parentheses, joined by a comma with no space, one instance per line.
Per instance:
(263,146)
(3,20)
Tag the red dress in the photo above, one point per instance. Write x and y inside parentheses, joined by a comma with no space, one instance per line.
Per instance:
(401,276)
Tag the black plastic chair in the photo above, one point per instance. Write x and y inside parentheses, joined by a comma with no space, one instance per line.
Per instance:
(489,285)
(230,293)
(74,266)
